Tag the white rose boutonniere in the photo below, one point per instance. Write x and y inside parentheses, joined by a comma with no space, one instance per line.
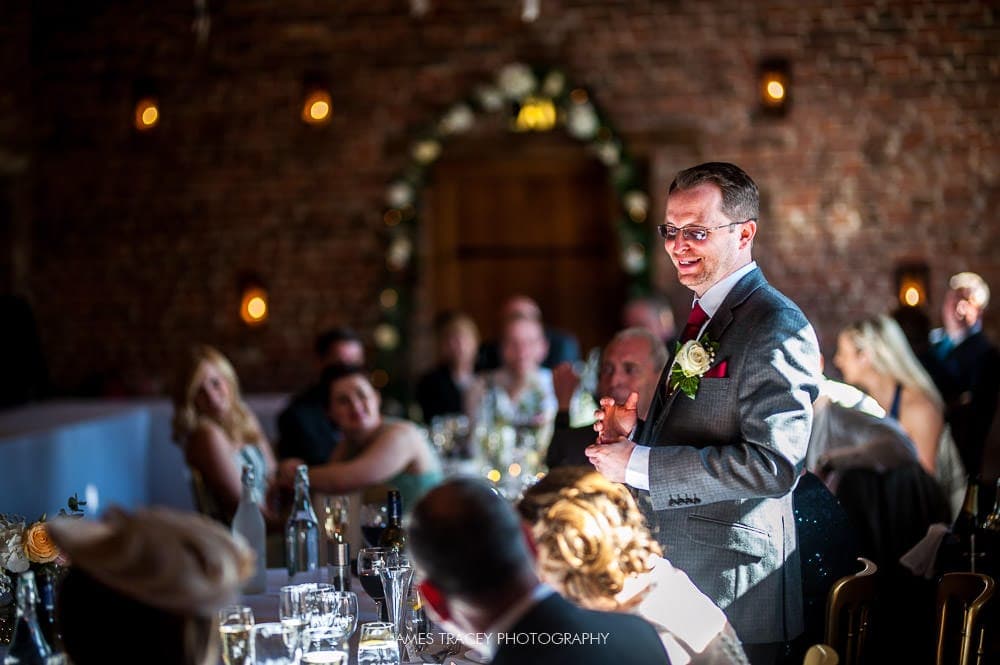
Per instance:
(693,359)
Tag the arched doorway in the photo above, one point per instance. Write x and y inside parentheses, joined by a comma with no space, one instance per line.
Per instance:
(524,213)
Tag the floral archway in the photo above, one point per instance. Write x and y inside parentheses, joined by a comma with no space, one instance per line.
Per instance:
(538,98)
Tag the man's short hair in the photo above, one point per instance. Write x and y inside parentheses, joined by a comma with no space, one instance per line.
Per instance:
(467,539)
(328,338)
(740,197)
(658,354)
(974,286)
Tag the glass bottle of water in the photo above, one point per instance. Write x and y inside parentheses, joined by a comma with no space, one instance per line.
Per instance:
(28,645)
(302,530)
(249,523)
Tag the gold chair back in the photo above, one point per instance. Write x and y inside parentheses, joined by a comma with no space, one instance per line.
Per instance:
(821,654)
(848,613)
(961,635)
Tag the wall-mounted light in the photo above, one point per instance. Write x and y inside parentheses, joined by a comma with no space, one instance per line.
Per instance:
(317,105)
(254,303)
(775,85)
(911,283)
(146,112)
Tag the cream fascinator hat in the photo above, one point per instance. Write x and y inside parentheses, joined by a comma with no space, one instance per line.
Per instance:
(174,561)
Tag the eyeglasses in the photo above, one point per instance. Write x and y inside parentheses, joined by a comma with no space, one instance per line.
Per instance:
(692,233)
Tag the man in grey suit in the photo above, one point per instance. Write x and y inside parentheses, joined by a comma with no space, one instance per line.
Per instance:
(722,446)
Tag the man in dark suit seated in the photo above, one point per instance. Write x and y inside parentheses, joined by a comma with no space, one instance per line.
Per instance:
(305,431)
(480,583)
(631,363)
(972,367)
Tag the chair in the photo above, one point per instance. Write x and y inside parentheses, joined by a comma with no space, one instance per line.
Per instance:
(848,613)
(821,654)
(960,601)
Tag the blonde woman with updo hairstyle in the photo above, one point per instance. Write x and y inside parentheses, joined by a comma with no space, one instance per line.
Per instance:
(593,546)
(874,355)
(219,433)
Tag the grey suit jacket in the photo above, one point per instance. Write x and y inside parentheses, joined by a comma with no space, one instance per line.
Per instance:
(723,465)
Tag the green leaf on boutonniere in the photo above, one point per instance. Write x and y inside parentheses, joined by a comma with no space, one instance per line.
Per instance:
(691,360)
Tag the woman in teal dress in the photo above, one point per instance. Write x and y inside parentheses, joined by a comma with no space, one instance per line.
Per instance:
(375,449)
(219,435)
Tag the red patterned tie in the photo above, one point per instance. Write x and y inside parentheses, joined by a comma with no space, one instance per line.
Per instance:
(695,321)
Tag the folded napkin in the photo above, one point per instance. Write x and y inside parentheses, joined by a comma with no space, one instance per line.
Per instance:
(920,558)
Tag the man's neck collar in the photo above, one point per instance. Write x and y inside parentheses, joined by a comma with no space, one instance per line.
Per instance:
(711,299)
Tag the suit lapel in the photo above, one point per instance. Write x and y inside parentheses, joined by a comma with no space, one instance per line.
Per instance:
(716,327)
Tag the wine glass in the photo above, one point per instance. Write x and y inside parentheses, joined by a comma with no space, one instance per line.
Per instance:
(323,645)
(373,520)
(334,516)
(377,645)
(269,645)
(293,614)
(370,561)
(235,626)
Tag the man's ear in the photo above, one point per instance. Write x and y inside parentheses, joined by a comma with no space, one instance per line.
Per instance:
(435,599)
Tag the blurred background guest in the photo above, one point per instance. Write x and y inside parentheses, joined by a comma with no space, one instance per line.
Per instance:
(874,355)
(219,434)
(520,393)
(631,363)
(441,391)
(468,545)
(375,449)
(561,345)
(971,365)
(655,315)
(305,430)
(594,548)
(146,586)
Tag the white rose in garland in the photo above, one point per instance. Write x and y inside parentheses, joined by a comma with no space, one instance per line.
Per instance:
(692,360)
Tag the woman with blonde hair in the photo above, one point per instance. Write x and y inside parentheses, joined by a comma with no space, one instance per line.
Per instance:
(219,433)
(874,355)
(593,546)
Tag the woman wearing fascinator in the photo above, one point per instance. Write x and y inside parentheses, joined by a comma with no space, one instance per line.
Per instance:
(145,587)
(593,546)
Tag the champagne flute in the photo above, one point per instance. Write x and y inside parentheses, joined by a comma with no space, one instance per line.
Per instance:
(235,626)
(322,645)
(377,645)
(396,576)
(370,561)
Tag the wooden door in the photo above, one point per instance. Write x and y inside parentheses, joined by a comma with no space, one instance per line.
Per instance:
(533,215)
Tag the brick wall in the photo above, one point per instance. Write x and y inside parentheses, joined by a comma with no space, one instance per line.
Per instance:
(890,151)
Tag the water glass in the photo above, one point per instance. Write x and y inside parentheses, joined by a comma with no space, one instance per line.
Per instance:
(293,614)
(270,646)
(323,645)
(235,626)
(377,645)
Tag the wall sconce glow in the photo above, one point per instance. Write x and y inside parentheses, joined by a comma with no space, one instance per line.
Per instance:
(774,80)
(317,108)
(537,114)
(253,306)
(911,284)
(147,114)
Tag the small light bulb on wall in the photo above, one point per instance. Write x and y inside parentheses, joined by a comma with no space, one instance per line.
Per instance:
(774,83)
(911,283)
(317,107)
(147,114)
(254,305)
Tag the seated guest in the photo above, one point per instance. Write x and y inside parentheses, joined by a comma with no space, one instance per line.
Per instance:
(562,346)
(375,449)
(441,391)
(970,363)
(631,363)
(478,578)
(873,354)
(220,434)
(145,587)
(594,548)
(520,393)
(305,431)
(654,314)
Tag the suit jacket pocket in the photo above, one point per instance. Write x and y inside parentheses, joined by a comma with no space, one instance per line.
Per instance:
(733,536)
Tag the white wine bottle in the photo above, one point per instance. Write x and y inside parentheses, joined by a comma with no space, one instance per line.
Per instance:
(393,536)
(249,523)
